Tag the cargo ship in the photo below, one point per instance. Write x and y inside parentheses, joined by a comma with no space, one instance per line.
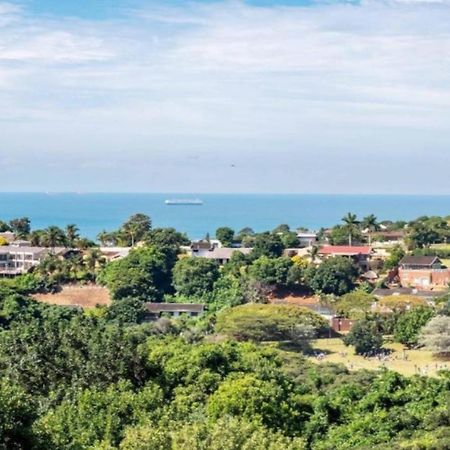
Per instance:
(184,201)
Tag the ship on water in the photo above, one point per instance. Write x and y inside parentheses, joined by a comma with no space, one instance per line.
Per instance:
(184,201)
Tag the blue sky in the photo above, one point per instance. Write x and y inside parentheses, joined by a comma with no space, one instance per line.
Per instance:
(225,96)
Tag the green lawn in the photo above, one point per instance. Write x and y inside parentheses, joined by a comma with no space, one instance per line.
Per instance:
(441,246)
(417,361)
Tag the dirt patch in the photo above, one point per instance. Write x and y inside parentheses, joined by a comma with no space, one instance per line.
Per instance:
(299,297)
(84,296)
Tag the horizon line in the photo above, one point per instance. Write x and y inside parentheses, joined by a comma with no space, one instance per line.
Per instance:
(346,194)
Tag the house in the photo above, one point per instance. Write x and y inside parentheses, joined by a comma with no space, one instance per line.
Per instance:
(360,255)
(114,253)
(18,259)
(386,236)
(156,310)
(307,239)
(423,272)
(220,254)
(205,244)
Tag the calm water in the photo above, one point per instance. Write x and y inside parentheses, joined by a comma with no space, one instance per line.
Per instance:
(96,212)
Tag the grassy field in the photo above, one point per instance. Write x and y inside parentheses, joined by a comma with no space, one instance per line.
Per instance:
(441,246)
(408,362)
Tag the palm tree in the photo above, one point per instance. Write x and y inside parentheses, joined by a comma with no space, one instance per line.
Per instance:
(94,258)
(371,223)
(53,237)
(351,224)
(107,238)
(313,252)
(71,235)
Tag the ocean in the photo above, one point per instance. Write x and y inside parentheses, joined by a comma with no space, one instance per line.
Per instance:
(93,213)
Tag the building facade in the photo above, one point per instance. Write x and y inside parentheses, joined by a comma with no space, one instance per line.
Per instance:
(423,272)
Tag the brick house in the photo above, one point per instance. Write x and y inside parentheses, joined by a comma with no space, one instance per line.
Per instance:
(423,272)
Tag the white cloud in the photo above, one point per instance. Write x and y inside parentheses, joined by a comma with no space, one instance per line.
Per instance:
(332,78)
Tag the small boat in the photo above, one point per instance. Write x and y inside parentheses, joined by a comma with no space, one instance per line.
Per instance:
(184,201)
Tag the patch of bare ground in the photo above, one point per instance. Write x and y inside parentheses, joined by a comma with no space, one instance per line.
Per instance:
(299,298)
(87,296)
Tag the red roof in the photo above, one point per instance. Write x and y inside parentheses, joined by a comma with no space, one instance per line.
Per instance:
(345,250)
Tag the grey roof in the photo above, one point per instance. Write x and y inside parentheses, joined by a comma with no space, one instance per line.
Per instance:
(224,252)
(409,291)
(419,260)
(174,307)
(30,249)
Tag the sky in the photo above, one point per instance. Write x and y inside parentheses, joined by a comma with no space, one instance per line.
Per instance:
(260,96)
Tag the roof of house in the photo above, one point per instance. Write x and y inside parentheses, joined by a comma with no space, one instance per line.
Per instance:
(419,260)
(174,307)
(115,252)
(345,250)
(30,249)
(224,252)
(307,235)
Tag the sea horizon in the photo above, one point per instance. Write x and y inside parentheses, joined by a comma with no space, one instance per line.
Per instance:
(95,212)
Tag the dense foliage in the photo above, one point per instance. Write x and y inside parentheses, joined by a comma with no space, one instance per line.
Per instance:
(74,381)
(233,379)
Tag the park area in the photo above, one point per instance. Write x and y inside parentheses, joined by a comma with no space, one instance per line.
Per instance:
(406,362)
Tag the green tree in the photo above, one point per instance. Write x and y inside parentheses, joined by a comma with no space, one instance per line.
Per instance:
(365,337)
(71,235)
(351,225)
(4,227)
(17,414)
(271,271)
(248,397)
(126,311)
(257,322)
(354,305)
(107,239)
(395,256)
(94,259)
(267,244)
(99,416)
(143,274)
(410,323)
(370,223)
(195,276)
(225,235)
(21,227)
(53,237)
(290,240)
(136,227)
(335,275)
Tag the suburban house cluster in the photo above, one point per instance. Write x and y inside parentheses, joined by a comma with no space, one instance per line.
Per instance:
(19,256)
